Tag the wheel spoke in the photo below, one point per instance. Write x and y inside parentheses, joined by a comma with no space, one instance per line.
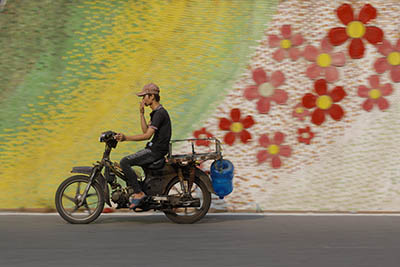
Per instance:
(90,195)
(75,209)
(69,198)
(88,209)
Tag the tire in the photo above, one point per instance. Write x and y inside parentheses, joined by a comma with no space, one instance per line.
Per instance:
(180,215)
(65,202)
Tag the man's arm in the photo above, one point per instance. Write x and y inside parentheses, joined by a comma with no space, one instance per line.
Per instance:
(142,118)
(143,123)
(140,137)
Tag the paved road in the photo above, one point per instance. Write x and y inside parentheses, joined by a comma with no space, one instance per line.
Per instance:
(217,240)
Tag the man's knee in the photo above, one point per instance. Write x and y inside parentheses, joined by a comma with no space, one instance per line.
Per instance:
(124,162)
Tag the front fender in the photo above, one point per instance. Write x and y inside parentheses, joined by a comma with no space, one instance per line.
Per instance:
(82,169)
(99,178)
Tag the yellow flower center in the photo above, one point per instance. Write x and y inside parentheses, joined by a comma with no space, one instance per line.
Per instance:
(286,44)
(299,110)
(324,102)
(394,58)
(236,127)
(324,60)
(273,149)
(355,29)
(266,89)
(374,94)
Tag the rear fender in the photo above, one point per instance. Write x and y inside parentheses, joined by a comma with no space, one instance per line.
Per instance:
(99,178)
(205,178)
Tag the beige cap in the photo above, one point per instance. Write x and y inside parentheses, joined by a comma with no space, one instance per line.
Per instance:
(149,88)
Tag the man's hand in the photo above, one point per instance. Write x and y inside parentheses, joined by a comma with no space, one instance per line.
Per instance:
(141,108)
(120,137)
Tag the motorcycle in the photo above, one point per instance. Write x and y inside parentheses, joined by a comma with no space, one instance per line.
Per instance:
(174,185)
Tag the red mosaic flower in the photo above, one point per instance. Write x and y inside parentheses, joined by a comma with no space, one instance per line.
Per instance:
(236,127)
(325,62)
(305,135)
(300,112)
(202,133)
(375,94)
(274,149)
(287,44)
(391,61)
(265,90)
(324,102)
(355,29)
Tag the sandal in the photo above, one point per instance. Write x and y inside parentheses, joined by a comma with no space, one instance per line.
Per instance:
(135,202)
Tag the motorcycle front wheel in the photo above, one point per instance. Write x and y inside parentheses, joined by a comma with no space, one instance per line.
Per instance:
(69,195)
(188,215)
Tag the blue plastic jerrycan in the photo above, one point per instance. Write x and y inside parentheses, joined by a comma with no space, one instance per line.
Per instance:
(221,175)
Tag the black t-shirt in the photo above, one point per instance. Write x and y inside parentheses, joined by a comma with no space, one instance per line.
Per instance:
(161,123)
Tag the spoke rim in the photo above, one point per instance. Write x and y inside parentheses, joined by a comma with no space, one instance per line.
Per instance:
(195,192)
(79,212)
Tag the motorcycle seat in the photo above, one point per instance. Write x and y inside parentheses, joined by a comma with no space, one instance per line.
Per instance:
(158,164)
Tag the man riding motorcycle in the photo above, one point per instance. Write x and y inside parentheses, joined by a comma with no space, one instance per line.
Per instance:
(159,127)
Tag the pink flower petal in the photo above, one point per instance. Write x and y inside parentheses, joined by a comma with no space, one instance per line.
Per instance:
(285,151)
(264,140)
(326,47)
(251,92)
(383,103)
(331,74)
(276,162)
(277,78)
(338,59)
(273,40)
(310,53)
(297,39)
(278,138)
(280,96)
(374,81)
(386,89)
(395,74)
(313,71)
(263,105)
(279,54)
(262,156)
(381,65)
(294,53)
(259,76)
(363,91)
(368,104)
(286,31)
(385,48)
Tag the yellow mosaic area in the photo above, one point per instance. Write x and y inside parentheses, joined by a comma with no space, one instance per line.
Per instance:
(64,133)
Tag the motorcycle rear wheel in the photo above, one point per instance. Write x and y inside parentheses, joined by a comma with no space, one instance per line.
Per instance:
(68,195)
(189,214)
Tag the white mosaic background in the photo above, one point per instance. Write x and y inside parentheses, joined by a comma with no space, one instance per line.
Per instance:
(352,164)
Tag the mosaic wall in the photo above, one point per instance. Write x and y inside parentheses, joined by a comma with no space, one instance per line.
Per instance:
(304,94)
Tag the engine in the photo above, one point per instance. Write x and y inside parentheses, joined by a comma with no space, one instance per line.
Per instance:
(121,198)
